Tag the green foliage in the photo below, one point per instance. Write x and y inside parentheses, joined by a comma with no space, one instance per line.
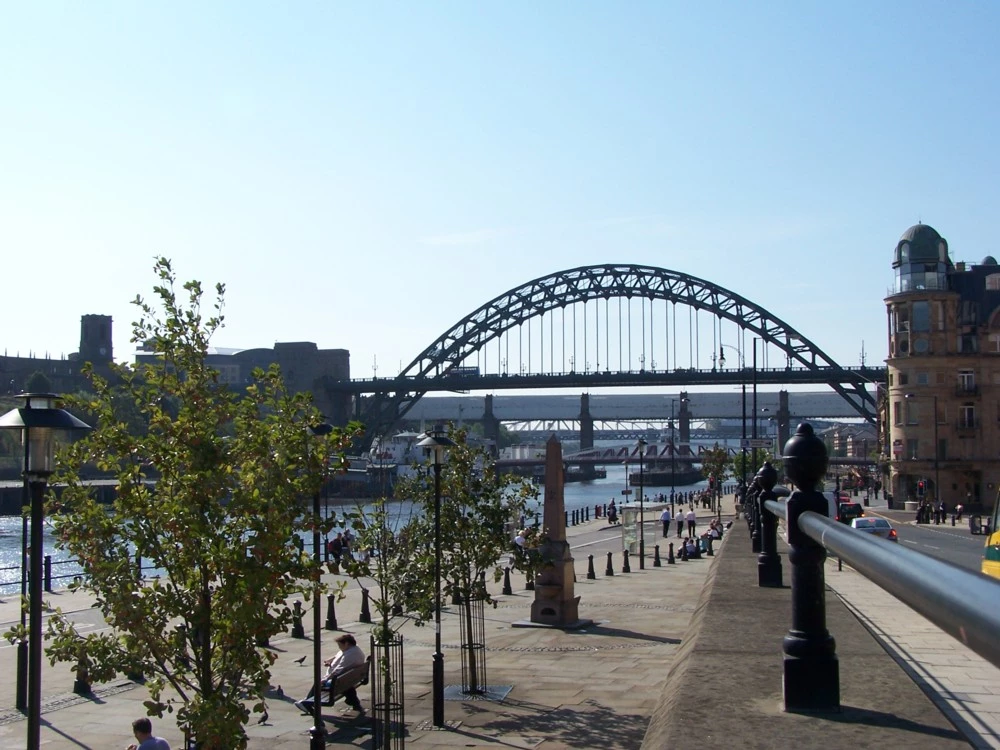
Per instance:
(715,463)
(221,521)
(38,383)
(741,459)
(478,510)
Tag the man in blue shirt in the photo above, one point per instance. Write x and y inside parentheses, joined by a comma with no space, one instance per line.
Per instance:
(143,731)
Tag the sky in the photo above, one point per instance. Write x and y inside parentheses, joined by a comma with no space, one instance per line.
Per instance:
(364,175)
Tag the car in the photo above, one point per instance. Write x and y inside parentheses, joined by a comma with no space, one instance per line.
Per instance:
(877,526)
(847,512)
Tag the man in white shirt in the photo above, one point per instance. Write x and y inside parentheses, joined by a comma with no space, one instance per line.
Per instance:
(666,518)
(692,519)
(349,656)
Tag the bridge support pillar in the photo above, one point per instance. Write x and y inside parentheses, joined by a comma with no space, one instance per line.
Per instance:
(586,423)
(491,425)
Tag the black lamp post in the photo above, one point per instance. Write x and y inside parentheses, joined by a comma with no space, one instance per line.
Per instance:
(743,388)
(435,443)
(39,421)
(317,733)
(641,450)
(673,453)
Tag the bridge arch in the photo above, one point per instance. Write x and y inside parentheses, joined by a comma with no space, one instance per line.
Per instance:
(475,331)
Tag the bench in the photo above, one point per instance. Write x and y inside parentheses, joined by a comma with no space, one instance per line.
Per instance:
(354,677)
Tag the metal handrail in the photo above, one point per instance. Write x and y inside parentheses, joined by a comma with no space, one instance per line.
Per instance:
(964,604)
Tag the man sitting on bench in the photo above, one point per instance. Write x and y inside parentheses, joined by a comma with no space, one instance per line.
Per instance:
(349,657)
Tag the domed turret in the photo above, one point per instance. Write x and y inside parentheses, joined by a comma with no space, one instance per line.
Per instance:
(921,244)
(989,260)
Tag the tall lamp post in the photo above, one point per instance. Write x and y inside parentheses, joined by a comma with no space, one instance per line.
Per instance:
(317,734)
(673,453)
(435,443)
(641,450)
(743,388)
(39,420)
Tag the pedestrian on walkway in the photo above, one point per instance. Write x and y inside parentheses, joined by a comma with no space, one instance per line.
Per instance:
(692,521)
(143,731)
(666,518)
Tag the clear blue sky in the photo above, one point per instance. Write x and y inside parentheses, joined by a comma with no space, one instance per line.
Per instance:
(363,175)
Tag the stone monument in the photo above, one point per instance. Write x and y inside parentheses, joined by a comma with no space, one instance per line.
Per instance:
(555,604)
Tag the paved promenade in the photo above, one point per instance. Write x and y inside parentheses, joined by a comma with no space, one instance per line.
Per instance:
(680,655)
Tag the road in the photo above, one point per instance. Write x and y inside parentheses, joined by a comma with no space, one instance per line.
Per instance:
(954,544)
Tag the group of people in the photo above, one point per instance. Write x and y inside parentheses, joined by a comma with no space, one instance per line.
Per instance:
(339,546)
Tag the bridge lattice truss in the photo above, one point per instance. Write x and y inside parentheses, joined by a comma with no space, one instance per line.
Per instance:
(603,282)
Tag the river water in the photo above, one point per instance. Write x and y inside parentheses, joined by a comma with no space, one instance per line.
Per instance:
(577,495)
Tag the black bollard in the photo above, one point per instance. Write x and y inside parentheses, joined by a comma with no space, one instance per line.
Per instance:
(47,574)
(768,561)
(366,614)
(586,514)
(507,590)
(709,551)
(656,556)
(81,685)
(642,554)
(670,554)
(626,568)
(297,630)
(566,519)
(811,679)
(684,553)
(331,612)
(397,609)
(529,584)
(609,571)
(591,575)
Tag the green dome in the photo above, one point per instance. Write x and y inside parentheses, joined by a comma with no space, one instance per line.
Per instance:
(922,244)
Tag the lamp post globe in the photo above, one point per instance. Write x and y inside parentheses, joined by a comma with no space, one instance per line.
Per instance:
(435,443)
(40,421)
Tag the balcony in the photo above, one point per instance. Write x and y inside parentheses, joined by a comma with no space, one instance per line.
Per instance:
(967,425)
(970,389)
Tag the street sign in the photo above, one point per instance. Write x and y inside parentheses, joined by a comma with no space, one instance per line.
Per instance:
(626,492)
(756,443)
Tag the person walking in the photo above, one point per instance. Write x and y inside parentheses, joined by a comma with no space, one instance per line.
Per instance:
(692,520)
(665,517)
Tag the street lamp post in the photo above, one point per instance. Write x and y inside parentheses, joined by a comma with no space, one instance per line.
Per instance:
(743,388)
(641,449)
(39,421)
(673,453)
(317,734)
(435,443)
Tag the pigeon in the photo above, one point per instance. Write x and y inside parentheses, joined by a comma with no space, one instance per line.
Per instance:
(279,692)
(300,660)
(263,718)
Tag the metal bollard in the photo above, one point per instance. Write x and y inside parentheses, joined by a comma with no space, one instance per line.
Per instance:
(656,556)
(366,613)
(591,575)
(566,519)
(811,680)
(586,513)
(642,554)
(297,630)
(331,612)
(684,553)
(47,573)
(507,590)
(609,571)
(768,561)
(670,554)
(529,584)
(626,568)
(81,685)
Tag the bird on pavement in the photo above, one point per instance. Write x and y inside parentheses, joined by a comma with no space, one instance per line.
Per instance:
(263,718)
(279,692)
(300,659)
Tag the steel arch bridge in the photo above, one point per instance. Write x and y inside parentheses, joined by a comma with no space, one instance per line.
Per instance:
(556,291)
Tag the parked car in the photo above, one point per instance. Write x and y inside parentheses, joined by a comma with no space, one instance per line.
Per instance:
(847,512)
(877,526)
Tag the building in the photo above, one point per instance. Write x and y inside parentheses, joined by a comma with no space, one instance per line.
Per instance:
(304,367)
(65,374)
(942,405)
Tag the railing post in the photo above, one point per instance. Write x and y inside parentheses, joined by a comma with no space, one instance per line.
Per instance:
(811,670)
(768,561)
(47,573)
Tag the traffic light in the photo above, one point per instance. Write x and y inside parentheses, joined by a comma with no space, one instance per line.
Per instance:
(920,488)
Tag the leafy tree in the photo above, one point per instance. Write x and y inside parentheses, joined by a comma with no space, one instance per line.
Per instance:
(39,383)
(221,522)
(478,510)
(715,463)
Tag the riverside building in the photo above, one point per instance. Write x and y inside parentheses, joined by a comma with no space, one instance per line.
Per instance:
(942,406)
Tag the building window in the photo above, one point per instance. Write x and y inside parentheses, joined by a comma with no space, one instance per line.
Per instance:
(911,412)
(993,281)
(897,413)
(968,343)
(966,416)
(921,317)
(911,447)
(923,378)
(967,380)
(994,340)
(904,378)
(942,454)
(890,379)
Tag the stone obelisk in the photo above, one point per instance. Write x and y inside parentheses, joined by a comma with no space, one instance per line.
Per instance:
(555,605)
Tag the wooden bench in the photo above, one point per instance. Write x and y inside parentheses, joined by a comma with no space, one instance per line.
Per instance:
(354,677)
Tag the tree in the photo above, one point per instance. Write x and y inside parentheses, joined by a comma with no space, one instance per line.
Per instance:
(39,383)
(221,522)
(479,509)
(715,464)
